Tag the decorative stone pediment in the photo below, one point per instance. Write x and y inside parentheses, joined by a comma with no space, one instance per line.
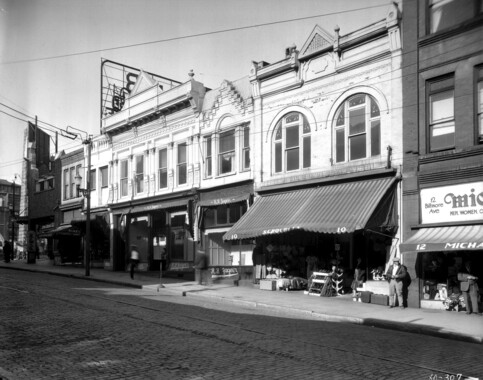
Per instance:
(319,40)
(144,81)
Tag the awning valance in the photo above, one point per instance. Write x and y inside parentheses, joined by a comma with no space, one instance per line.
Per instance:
(223,200)
(337,208)
(66,230)
(453,238)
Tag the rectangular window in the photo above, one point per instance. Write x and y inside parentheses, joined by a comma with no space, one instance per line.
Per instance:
(73,173)
(246,149)
(480,105)
(209,157)
(375,138)
(66,184)
(278,157)
(444,14)
(441,114)
(226,156)
(292,147)
(104,176)
(163,168)
(182,164)
(92,180)
(139,176)
(307,152)
(340,145)
(124,177)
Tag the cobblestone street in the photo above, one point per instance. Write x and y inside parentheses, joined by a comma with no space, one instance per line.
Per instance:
(60,328)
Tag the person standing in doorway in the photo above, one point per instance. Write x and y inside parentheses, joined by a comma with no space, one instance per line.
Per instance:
(134,259)
(396,274)
(469,287)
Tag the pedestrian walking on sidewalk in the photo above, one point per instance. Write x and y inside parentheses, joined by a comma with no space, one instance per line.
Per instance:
(396,274)
(134,259)
(200,266)
(469,287)
(7,251)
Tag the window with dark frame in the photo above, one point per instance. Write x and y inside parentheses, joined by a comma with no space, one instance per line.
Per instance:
(66,184)
(182,164)
(123,176)
(245,159)
(208,157)
(163,168)
(93,183)
(139,176)
(104,177)
(440,110)
(444,14)
(226,152)
(479,97)
(224,215)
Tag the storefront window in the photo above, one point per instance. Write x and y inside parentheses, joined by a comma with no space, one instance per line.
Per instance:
(440,273)
(223,215)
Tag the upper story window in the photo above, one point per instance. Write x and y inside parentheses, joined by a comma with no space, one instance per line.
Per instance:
(245,159)
(104,179)
(444,14)
(224,215)
(479,89)
(357,129)
(70,188)
(44,184)
(291,143)
(226,152)
(93,183)
(124,177)
(441,114)
(163,168)
(208,157)
(182,164)
(139,174)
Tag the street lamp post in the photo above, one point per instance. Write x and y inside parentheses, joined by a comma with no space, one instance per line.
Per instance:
(87,194)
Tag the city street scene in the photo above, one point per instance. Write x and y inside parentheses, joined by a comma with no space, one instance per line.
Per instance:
(199,189)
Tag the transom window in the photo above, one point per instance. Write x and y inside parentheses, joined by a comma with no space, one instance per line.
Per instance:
(441,114)
(291,143)
(357,129)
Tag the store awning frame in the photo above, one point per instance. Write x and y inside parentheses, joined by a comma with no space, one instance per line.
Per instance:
(334,208)
(447,238)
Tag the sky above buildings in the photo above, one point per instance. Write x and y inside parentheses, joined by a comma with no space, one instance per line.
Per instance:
(51,51)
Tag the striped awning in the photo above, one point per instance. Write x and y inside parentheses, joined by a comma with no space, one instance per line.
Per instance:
(453,238)
(338,208)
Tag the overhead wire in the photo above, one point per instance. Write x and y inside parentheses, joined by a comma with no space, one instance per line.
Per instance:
(195,35)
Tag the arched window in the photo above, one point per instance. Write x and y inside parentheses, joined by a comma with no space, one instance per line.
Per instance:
(291,143)
(357,127)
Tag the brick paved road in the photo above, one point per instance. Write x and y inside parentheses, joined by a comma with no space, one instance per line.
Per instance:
(61,328)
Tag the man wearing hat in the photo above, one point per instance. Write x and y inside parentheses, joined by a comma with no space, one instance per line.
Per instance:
(396,273)
(200,266)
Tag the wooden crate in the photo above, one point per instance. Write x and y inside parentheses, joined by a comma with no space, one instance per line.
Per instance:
(380,299)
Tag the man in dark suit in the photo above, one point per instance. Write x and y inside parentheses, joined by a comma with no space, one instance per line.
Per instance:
(396,274)
(469,287)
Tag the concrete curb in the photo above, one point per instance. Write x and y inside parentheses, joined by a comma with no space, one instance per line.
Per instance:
(370,322)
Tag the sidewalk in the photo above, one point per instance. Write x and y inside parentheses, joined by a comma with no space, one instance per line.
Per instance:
(440,323)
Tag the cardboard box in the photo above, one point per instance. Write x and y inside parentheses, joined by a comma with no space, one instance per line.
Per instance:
(268,284)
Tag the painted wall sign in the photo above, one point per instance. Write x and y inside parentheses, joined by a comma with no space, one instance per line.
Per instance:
(458,203)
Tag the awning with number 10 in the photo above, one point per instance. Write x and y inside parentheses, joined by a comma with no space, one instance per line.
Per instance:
(336,208)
